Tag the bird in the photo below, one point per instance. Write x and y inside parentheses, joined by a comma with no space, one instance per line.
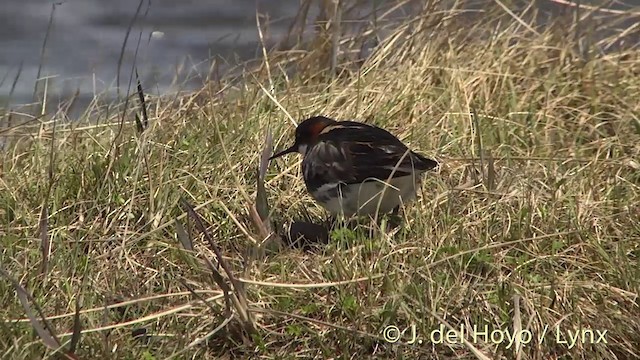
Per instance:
(352,168)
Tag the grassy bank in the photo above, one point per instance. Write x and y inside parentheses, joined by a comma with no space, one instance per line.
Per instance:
(530,226)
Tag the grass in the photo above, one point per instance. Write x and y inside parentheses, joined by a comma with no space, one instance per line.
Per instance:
(531,226)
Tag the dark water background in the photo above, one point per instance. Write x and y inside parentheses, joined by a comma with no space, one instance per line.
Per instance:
(86,38)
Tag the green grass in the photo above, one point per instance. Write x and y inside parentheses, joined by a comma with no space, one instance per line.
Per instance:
(537,203)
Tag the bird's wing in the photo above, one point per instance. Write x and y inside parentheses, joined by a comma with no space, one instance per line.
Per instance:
(384,161)
(327,163)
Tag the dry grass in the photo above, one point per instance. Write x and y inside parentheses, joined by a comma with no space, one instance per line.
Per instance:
(531,226)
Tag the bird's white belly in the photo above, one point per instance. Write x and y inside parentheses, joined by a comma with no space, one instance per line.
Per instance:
(369,197)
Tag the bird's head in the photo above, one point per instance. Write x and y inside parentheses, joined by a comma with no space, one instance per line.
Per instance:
(307,134)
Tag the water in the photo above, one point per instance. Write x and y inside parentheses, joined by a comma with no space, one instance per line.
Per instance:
(86,39)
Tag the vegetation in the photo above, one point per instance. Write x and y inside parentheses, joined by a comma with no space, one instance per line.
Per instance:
(531,225)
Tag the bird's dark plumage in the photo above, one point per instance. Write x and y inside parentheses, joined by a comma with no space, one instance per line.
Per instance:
(355,152)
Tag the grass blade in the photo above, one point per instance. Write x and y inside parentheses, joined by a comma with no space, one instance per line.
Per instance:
(183,237)
(44,331)
(261,204)
(45,240)
(77,327)
(491,171)
(140,125)
(238,296)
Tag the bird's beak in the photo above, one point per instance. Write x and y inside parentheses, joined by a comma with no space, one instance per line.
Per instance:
(293,148)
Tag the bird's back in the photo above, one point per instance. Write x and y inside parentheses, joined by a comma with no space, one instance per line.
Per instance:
(354,152)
